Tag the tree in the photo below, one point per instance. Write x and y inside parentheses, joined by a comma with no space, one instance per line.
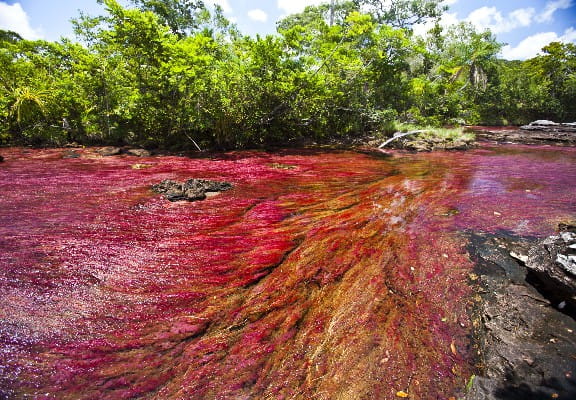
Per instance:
(182,16)
(402,13)
(468,55)
(9,36)
(556,68)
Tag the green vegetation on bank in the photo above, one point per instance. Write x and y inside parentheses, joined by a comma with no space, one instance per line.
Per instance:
(172,72)
(434,138)
(430,132)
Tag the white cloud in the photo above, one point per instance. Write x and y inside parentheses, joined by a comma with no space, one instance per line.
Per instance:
(14,18)
(532,45)
(296,6)
(225,4)
(449,2)
(490,18)
(551,7)
(521,17)
(258,15)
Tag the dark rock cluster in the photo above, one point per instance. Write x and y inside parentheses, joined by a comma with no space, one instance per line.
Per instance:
(525,316)
(553,263)
(191,190)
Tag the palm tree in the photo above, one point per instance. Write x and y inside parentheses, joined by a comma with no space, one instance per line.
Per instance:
(27,103)
(468,55)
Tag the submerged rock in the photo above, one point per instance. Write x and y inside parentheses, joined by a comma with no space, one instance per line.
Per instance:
(191,190)
(71,154)
(1,159)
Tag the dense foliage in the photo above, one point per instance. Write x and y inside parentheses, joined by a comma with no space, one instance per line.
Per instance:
(171,73)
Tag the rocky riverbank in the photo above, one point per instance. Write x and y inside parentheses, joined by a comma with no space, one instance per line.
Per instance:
(524,320)
(537,132)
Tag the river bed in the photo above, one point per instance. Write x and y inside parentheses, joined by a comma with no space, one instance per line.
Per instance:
(320,275)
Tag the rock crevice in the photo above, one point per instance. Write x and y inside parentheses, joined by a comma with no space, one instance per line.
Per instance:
(524,324)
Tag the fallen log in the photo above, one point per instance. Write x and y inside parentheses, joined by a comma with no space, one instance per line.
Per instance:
(398,135)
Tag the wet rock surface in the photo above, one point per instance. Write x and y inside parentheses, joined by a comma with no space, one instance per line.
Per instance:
(191,190)
(524,324)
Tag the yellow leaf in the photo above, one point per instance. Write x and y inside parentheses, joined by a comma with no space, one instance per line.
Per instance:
(402,394)
(453,348)
(141,166)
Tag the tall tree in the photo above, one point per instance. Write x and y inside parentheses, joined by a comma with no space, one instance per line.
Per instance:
(182,16)
(402,13)
(557,69)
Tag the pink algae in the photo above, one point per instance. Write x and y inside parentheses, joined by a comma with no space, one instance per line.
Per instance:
(320,275)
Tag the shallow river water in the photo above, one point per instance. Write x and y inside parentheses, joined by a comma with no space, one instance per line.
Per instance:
(321,275)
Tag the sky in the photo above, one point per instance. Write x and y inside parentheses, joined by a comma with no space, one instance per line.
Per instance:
(524,26)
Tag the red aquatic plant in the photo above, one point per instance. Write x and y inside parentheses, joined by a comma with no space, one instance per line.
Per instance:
(320,275)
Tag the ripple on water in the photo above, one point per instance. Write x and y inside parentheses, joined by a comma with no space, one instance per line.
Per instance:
(334,275)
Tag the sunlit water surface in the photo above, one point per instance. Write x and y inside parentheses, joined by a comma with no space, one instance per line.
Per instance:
(321,275)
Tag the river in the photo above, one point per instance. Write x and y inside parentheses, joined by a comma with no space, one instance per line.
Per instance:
(320,275)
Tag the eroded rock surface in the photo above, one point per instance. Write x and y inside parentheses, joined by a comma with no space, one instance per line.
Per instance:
(191,190)
(526,344)
(537,132)
(553,262)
